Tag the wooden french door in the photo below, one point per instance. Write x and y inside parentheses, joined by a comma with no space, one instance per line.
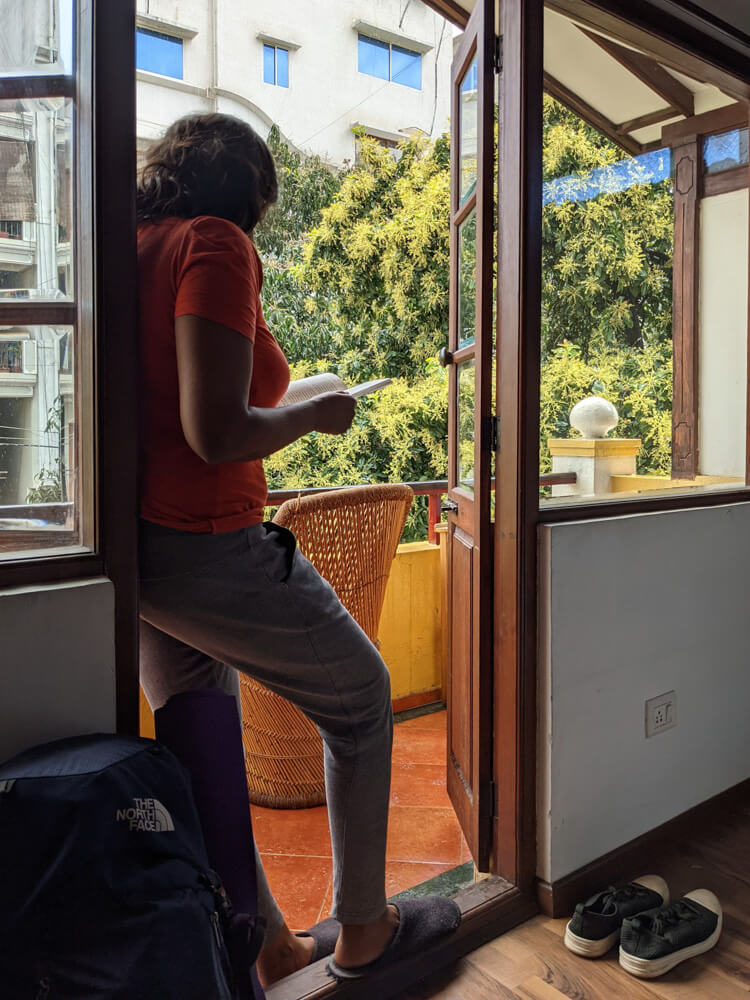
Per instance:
(471,436)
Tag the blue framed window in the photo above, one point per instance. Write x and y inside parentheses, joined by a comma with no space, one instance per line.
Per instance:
(276,65)
(158,53)
(389,62)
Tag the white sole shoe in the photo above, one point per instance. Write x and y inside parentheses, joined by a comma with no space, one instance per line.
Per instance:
(595,948)
(650,968)
(587,948)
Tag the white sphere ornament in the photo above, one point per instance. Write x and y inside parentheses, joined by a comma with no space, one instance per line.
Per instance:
(594,417)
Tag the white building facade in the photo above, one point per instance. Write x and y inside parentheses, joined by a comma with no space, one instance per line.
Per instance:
(316,68)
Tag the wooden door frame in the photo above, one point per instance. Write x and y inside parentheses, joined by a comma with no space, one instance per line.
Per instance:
(115,320)
(470,789)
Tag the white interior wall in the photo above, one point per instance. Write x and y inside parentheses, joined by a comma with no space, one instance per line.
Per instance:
(58,663)
(630,608)
(722,322)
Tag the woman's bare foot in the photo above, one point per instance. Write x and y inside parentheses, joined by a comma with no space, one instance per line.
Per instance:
(286,954)
(359,944)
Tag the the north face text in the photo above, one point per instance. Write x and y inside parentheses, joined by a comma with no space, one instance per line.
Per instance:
(148,815)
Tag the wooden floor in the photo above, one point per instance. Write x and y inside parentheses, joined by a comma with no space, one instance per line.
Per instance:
(530,962)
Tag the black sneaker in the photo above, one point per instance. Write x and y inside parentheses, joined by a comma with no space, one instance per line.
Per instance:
(595,926)
(652,943)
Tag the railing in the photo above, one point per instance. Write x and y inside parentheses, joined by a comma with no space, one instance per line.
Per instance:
(433,489)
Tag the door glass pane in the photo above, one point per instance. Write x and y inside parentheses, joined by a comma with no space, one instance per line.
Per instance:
(465,425)
(35,199)
(36,34)
(635,401)
(37,438)
(467,279)
(467,134)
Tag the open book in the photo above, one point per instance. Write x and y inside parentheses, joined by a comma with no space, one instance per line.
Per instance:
(316,385)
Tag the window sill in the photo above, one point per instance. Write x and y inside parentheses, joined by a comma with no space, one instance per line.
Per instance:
(558,509)
(48,566)
(173,82)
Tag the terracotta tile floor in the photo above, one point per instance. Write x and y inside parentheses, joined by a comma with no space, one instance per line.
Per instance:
(424,838)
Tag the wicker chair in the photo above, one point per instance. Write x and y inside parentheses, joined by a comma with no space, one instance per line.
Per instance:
(350,536)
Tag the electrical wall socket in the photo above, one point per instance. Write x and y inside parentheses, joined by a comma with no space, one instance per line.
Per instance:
(661,713)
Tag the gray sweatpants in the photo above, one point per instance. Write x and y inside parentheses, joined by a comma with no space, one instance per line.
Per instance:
(249,600)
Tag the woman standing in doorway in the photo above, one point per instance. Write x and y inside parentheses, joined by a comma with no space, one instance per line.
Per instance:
(221,591)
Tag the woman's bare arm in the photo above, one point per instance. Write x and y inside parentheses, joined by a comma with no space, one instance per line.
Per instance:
(214,368)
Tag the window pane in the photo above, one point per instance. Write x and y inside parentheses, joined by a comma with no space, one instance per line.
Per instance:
(37,439)
(35,34)
(406,67)
(158,53)
(269,70)
(722,152)
(35,199)
(467,110)
(374,57)
(282,67)
(467,279)
(465,423)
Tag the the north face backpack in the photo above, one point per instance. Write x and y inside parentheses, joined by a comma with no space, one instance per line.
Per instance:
(105,888)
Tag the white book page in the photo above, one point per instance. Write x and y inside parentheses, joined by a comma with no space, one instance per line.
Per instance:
(315,385)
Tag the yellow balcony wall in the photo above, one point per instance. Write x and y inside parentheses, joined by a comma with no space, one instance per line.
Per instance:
(411,625)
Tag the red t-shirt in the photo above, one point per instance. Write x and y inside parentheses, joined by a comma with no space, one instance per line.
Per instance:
(203,267)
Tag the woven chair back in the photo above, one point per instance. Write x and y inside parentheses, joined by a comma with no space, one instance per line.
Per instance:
(350,536)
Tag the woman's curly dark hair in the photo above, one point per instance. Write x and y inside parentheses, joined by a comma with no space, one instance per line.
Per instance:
(208,164)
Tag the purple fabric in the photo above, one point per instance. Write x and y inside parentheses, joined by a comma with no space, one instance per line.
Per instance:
(202,729)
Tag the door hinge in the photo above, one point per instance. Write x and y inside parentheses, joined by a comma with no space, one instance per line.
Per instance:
(491,434)
(498,54)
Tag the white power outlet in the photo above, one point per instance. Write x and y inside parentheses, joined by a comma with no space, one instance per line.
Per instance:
(661,713)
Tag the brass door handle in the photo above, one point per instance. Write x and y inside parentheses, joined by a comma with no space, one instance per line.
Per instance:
(445,357)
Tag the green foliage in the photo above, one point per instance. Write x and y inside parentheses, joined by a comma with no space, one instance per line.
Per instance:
(381,254)
(307,184)
(50,482)
(49,485)
(606,262)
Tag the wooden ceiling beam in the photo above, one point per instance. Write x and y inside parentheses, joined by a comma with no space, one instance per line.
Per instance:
(652,118)
(594,118)
(649,72)
(731,116)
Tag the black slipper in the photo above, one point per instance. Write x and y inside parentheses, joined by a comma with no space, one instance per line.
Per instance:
(421,923)
(325,935)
